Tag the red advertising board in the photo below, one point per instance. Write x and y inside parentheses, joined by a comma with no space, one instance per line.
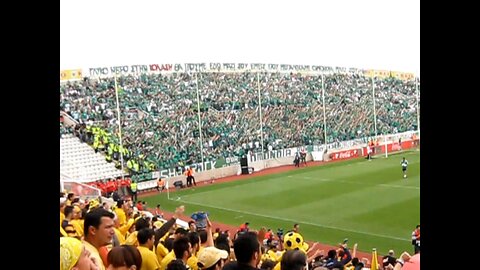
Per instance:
(347,154)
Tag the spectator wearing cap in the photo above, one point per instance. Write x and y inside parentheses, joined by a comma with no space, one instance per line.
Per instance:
(73,255)
(98,232)
(212,258)
(157,224)
(389,259)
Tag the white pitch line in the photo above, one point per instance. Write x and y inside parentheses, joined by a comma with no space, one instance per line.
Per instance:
(397,186)
(351,182)
(298,221)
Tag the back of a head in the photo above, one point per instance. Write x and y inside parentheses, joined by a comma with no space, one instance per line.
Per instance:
(245,246)
(141,223)
(181,232)
(176,265)
(180,245)
(68,210)
(168,243)
(222,238)
(203,236)
(293,260)
(194,238)
(268,265)
(124,255)
(332,253)
(120,203)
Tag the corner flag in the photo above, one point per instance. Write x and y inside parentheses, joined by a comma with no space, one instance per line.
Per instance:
(168,191)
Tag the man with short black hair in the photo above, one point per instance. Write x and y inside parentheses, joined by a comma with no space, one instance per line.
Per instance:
(98,232)
(182,249)
(146,238)
(247,251)
(293,260)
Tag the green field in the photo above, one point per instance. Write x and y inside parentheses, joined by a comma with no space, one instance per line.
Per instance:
(367,201)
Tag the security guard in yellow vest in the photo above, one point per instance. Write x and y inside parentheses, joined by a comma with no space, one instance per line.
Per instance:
(133,188)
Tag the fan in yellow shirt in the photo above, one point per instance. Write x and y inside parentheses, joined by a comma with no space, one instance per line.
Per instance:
(98,233)
(77,220)
(146,238)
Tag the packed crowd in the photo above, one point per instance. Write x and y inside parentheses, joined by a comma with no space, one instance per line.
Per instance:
(122,234)
(160,118)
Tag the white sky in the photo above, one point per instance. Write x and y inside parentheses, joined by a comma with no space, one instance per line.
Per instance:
(377,34)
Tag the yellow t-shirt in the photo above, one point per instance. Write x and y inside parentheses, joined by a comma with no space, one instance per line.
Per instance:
(120,236)
(131,239)
(192,262)
(62,217)
(200,249)
(122,218)
(167,259)
(63,232)
(78,226)
(149,259)
(161,251)
(270,255)
(94,254)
